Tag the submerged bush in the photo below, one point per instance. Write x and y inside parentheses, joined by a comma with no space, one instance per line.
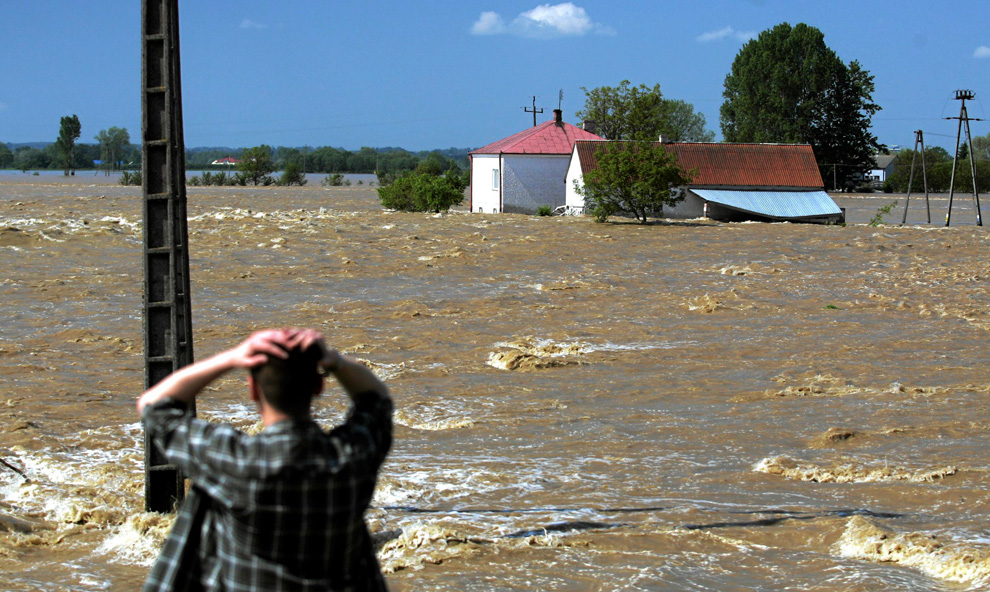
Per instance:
(130,178)
(423,192)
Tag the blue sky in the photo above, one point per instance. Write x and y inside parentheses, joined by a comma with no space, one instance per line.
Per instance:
(458,72)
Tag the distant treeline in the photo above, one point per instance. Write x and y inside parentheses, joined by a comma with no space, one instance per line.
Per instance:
(39,156)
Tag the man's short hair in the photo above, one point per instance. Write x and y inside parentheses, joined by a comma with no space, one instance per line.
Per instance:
(290,384)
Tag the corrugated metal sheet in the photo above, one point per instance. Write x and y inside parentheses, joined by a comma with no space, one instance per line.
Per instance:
(778,205)
(721,164)
(546,138)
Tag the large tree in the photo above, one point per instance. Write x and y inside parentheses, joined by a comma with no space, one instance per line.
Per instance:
(113,142)
(6,156)
(632,177)
(788,86)
(257,165)
(642,113)
(68,133)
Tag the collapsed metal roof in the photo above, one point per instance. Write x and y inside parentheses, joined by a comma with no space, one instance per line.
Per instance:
(775,205)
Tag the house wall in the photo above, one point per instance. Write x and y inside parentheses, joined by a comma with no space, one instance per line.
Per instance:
(691,206)
(530,181)
(484,190)
(572,199)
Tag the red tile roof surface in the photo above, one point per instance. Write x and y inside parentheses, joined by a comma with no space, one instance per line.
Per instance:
(549,137)
(749,165)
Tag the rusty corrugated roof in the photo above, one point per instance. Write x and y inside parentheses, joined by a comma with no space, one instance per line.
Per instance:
(736,165)
(549,137)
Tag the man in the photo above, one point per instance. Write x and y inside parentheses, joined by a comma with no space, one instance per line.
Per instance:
(282,510)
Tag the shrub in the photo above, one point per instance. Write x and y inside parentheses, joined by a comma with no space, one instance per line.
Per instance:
(130,178)
(334,180)
(292,175)
(422,192)
(544,211)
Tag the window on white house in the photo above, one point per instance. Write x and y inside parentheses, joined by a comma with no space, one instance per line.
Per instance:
(495,180)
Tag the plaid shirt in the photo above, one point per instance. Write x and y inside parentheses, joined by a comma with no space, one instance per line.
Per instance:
(283,510)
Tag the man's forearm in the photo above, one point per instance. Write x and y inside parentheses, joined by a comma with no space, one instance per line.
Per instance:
(355,377)
(185,383)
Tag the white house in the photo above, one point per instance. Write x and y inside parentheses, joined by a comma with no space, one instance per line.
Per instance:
(524,171)
(769,182)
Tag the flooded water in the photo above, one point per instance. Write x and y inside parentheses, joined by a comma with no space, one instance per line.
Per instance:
(580,406)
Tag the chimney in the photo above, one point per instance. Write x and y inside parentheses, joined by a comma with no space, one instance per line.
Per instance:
(589,126)
(662,140)
(557,117)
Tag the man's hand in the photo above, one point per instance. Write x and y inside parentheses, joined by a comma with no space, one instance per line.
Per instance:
(306,338)
(256,349)
(185,383)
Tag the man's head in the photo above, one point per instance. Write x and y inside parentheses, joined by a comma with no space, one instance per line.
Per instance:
(289,385)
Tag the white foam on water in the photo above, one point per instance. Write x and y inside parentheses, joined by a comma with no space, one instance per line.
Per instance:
(937,555)
(849,471)
(539,349)
(138,540)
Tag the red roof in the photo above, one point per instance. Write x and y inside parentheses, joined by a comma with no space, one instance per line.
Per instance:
(550,137)
(720,164)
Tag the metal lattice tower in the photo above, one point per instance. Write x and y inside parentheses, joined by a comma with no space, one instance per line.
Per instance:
(167,310)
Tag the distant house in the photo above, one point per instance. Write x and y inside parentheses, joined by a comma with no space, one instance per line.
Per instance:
(883,166)
(226,160)
(734,182)
(524,171)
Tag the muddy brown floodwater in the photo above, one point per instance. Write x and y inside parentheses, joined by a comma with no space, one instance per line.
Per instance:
(581,406)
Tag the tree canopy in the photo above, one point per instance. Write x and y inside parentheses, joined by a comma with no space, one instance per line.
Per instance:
(257,165)
(423,191)
(632,177)
(6,156)
(642,113)
(788,86)
(68,133)
(113,142)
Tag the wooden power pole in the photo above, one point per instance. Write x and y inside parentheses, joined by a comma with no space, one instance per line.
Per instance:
(534,111)
(964,118)
(167,311)
(919,137)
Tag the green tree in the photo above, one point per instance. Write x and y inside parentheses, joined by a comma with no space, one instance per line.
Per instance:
(423,192)
(292,174)
(788,86)
(113,143)
(257,165)
(68,133)
(27,158)
(6,157)
(981,147)
(632,177)
(938,162)
(642,113)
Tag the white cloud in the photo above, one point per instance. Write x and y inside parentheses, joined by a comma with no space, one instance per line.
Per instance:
(249,24)
(726,33)
(546,20)
(489,23)
(982,51)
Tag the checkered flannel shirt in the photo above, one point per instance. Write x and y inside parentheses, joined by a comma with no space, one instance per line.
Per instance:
(283,510)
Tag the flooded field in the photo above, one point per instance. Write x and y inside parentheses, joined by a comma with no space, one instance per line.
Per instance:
(580,406)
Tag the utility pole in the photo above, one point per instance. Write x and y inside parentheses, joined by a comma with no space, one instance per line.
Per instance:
(919,136)
(533,110)
(168,342)
(962,96)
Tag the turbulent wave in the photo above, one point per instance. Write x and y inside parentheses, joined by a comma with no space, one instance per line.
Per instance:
(532,353)
(937,556)
(848,472)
